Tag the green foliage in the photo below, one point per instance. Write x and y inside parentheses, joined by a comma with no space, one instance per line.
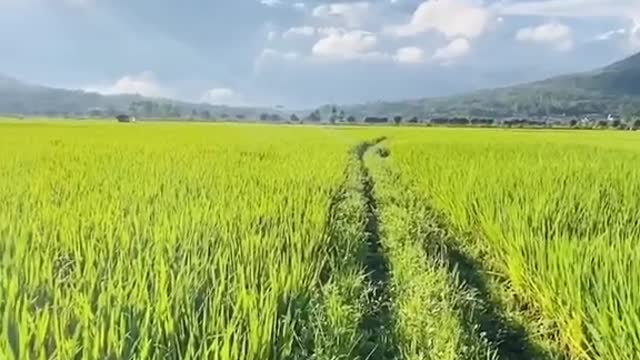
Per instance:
(555,214)
(158,241)
(433,310)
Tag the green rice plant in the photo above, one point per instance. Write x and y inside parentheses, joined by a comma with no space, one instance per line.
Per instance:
(433,310)
(555,213)
(158,241)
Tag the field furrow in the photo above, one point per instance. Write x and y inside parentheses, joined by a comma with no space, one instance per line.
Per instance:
(435,309)
(378,321)
(551,218)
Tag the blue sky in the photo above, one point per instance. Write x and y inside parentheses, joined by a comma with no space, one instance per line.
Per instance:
(308,52)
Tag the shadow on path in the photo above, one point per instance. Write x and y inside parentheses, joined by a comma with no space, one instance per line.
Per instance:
(377,324)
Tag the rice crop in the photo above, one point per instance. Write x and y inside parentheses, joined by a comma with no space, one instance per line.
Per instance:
(556,215)
(228,241)
(162,241)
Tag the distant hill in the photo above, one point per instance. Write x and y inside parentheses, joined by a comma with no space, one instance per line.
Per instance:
(614,89)
(20,98)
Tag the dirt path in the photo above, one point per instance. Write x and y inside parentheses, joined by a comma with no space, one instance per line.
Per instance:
(377,324)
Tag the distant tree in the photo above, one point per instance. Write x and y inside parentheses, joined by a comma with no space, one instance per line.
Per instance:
(205,114)
(275,118)
(96,113)
(294,118)
(224,116)
(241,116)
(413,120)
(573,123)
(602,124)
(315,116)
(334,115)
(147,108)
(111,111)
(155,109)
(375,120)
(615,123)
(176,112)
(341,116)
(397,120)
(636,125)
(264,117)
(134,108)
(351,119)
(166,110)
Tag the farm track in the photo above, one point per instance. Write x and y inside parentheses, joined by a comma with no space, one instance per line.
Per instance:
(508,338)
(377,324)
(471,299)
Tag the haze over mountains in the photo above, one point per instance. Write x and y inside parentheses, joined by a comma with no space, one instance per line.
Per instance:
(17,97)
(611,89)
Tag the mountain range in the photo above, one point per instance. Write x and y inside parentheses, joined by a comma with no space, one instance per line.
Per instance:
(614,89)
(19,98)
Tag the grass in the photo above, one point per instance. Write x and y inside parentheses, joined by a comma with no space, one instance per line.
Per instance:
(555,214)
(190,241)
(165,241)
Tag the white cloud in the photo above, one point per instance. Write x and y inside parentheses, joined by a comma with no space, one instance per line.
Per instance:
(269,53)
(271,3)
(299,31)
(144,84)
(557,35)
(610,34)
(346,45)
(271,35)
(455,49)
(628,10)
(634,33)
(299,5)
(221,96)
(409,55)
(351,14)
(331,30)
(271,56)
(569,8)
(452,18)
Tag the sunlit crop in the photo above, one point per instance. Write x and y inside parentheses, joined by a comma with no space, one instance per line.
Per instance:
(220,241)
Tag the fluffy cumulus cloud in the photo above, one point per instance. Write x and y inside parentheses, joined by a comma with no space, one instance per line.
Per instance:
(626,10)
(346,44)
(409,55)
(452,18)
(349,14)
(552,34)
(144,84)
(455,49)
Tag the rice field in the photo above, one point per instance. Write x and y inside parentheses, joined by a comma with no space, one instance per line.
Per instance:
(221,241)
